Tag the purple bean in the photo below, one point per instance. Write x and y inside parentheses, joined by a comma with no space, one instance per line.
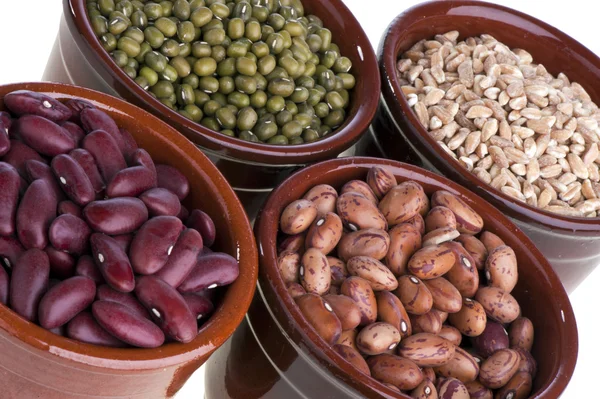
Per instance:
(130,145)
(65,300)
(88,164)
(62,265)
(116,216)
(94,119)
(4,286)
(106,293)
(73,180)
(69,208)
(153,243)
(43,135)
(183,214)
(106,153)
(76,133)
(38,170)
(86,329)
(35,213)
(76,105)
(9,195)
(124,241)
(199,306)
(141,157)
(493,338)
(10,250)
(22,102)
(29,282)
(173,180)
(4,140)
(212,270)
(7,121)
(87,268)
(70,234)
(161,202)
(204,224)
(19,154)
(131,182)
(168,308)
(182,259)
(112,262)
(127,326)
(59,331)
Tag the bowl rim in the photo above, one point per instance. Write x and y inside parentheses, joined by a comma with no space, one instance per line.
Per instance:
(394,97)
(231,147)
(297,327)
(226,317)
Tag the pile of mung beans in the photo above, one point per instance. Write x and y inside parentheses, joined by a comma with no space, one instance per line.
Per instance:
(409,289)
(259,70)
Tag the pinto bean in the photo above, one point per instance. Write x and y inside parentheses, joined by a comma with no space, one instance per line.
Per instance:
(471,319)
(476,249)
(381,181)
(467,220)
(298,216)
(348,338)
(520,334)
(295,290)
(324,233)
(405,240)
(339,272)
(403,202)
(501,268)
(362,294)
(361,188)
(357,212)
(402,373)
(440,217)
(315,274)
(377,338)
(321,316)
(451,334)
(376,273)
(374,243)
(352,356)
(490,240)
(324,197)
(345,309)
(431,262)
(463,275)
(445,296)
(426,350)
(461,366)
(452,388)
(391,310)
(498,369)
(498,305)
(429,322)
(414,295)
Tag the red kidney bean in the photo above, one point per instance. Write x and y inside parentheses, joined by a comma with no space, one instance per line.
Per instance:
(69,208)
(73,179)
(58,331)
(124,241)
(35,213)
(183,213)
(76,133)
(161,202)
(19,154)
(10,250)
(122,323)
(70,234)
(130,146)
(131,182)
(62,265)
(65,300)
(106,153)
(182,259)
(9,195)
(141,157)
(22,102)
(43,135)
(38,170)
(88,164)
(116,216)
(173,180)
(4,286)
(29,282)
(106,293)
(94,119)
(87,268)
(204,224)
(199,306)
(112,262)
(4,139)
(76,105)
(86,329)
(168,308)
(153,244)
(212,270)
(6,120)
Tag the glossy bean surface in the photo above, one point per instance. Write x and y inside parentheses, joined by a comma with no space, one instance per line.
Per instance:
(173,180)
(94,119)
(130,182)
(106,153)
(86,267)
(29,282)
(70,234)
(85,328)
(65,300)
(21,102)
(89,166)
(73,180)
(35,214)
(200,306)
(112,262)
(43,135)
(116,216)
(182,259)
(204,224)
(106,293)
(62,265)
(20,153)
(9,196)
(211,270)
(161,202)
(69,208)
(153,243)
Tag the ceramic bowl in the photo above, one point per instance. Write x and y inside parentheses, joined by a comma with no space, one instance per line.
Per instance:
(36,363)
(276,353)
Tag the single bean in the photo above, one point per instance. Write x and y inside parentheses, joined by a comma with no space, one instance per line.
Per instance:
(29,282)
(350,355)
(471,319)
(348,338)
(73,179)
(403,202)
(463,275)
(405,240)
(65,300)
(402,373)
(314,272)
(130,145)
(498,305)
(452,388)
(501,268)
(203,223)
(112,262)
(294,243)
(345,309)
(381,181)
(518,387)
(451,334)
(324,197)
(295,290)
(357,212)
(493,338)
(478,391)
(377,338)
(182,259)
(288,263)
(173,180)
(76,105)
(391,311)
(94,119)
(425,390)
(62,265)
(116,216)
(490,240)
(4,286)
(20,153)
(431,262)
(376,273)
(520,334)
(212,270)
(426,350)
(106,153)
(526,362)
(498,369)
(321,316)
(360,291)
(339,272)
(37,170)
(461,366)
(22,102)
(445,296)
(141,157)
(43,135)
(85,328)
(9,196)
(200,306)
(89,166)
(362,188)
(153,243)
(439,217)
(69,208)
(374,243)
(298,216)
(87,268)
(131,182)
(35,213)
(430,322)
(76,133)
(414,295)
(324,233)
(106,293)
(70,234)
(467,220)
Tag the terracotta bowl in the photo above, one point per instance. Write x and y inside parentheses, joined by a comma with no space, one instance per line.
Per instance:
(276,353)
(79,58)
(572,245)
(35,363)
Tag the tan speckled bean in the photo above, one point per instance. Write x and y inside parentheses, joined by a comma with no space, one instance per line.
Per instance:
(295,290)
(353,357)
(414,295)
(362,294)
(348,338)
(429,322)
(475,247)
(338,270)
(478,391)
(405,240)
(425,390)
(368,242)
(315,274)
(463,275)
(377,338)
(319,314)
(391,310)
(501,268)
(362,188)
(467,220)
(426,350)
(490,240)
(498,305)
(324,197)
(402,373)
(403,202)
(519,387)
(451,334)
(298,216)
(376,273)
(439,217)
(520,334)
(461,366)
(324,233)
(445,296)
(357,212)
(452,388)
(471,319)
(288,263)
(345,309)
(498,369)
(431,262)
(381,181)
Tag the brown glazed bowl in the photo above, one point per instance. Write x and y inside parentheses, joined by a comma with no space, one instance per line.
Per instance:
(572,245)
(78,58)
(277,354)
(36,363)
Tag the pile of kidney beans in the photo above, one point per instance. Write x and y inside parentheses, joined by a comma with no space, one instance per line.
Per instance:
(95,244)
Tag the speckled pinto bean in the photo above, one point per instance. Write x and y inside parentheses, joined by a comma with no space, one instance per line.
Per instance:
(87,268)
(294,243)
(498,369)
(4,286)
(116,216)
(35,213)
(429,322)
(43,135)
(212,270)
(431,262)
(451,334)
(478,391)
(520,334)
(295,290)
(106,153)
(153,243)
(345,309)
(519,387)
(501,268)
(526,362)
(321,316)
(62,265)
(414,295)
(362,294)
(127,326)
(357,212)
(348,338)
(374,243)
(403,202)
(461,366)
(29,282)
(362,188)
(400,372)
(324,233)
(426,350)
(19,154)
(93,119)
(405,240)
(324,197)
(471,319)
(173,180)
(476,249)
(439,217)
(161,202)
(288,263)
(167,307)
(314,272)
(391,310)
(40,171)
(445,296)
(131,182)
(498,305)
(381,181)
(376,273)
(298,216)
(200,306)
(352,356)
(203,223)
(452,388)
(85,328)
(9,195)
(76,133)
(425,390)
(76,105)
(112,262)
(490,240)
(377,338)
(339,272)
(70,234)
(467,220)
(183,258)
(106,293)
(463,275)
(418,223)
(493,338)
(65,300)
(89,166)
(21,102)
(69,208)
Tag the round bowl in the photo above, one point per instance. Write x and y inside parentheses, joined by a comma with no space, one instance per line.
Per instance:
(276,353)
(572,245)
(78,58)
(36,363)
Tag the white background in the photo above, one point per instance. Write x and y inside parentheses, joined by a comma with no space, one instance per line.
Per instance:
(28,29)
